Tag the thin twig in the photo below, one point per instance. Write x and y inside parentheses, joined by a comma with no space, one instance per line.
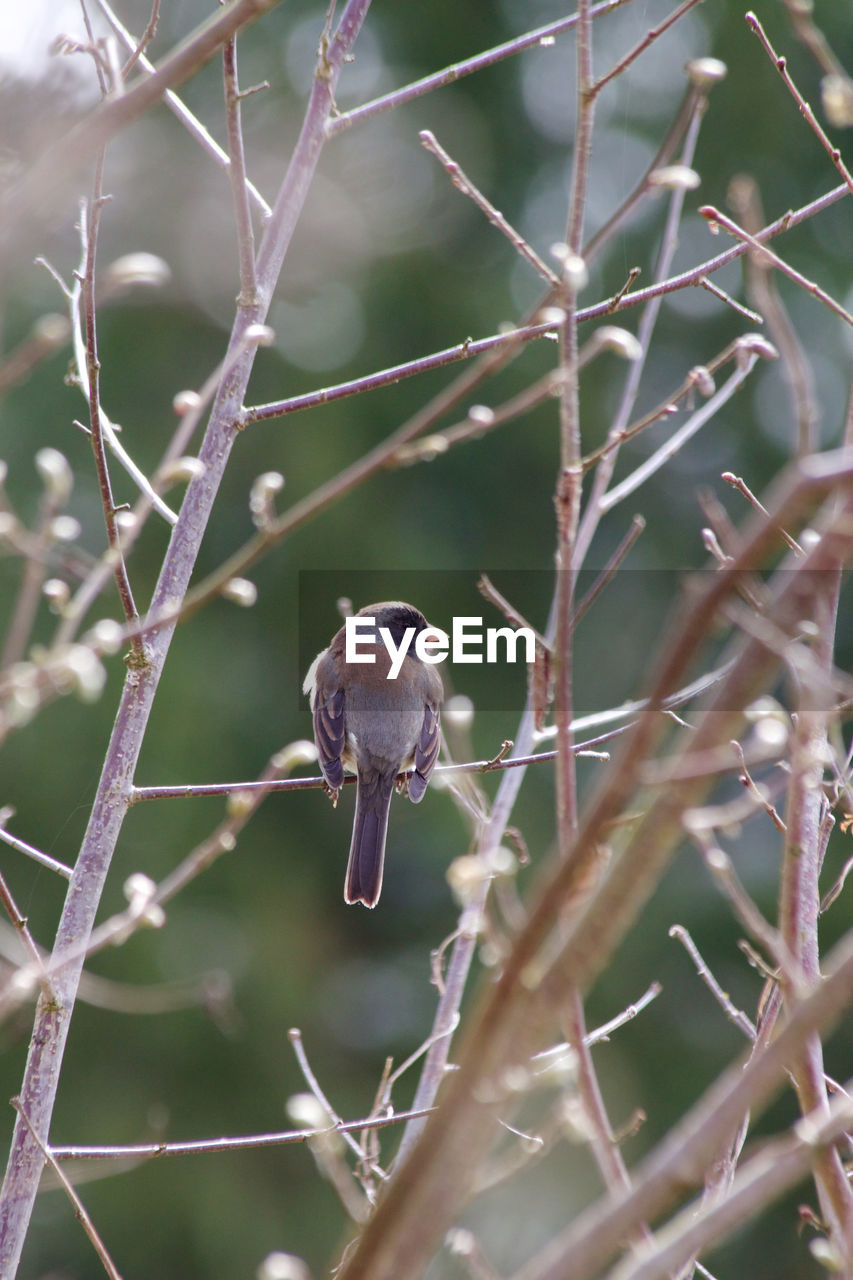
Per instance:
(294,1035)
(80,1212)
(200,401)
(781,65)
(648,39)
(144,40)
(761,287)
(610,570)
(735,1015)
(605,1150)
(694,423)
(79,344)
(457,70)
(721,868)
(210,1146)
(466,350)
(89,231)
(694,277)
(738,482)
(777,1167)
(594,509)
(23,931)
(754,790)
(464,184)
(237,174)
(43,859)
(714,216)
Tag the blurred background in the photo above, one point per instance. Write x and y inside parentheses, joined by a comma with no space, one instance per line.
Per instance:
(186,1034)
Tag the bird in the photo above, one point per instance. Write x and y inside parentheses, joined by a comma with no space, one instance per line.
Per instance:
(376,727)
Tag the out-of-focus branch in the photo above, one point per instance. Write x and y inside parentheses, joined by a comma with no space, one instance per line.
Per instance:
(799,906)
(547,961)
(193,126)
(34,192)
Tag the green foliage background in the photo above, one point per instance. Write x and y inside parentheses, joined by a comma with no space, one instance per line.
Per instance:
(389,263)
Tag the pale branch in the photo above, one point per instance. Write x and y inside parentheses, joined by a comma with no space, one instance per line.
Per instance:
(80,306)
(598,1035)
(734,1015)
(694,277)
(36,189)
(624,712)
(179,109)
(737,482)
(465,350)
(569,478)
(29,851)
(172,469)
(679,438)
(237,174)
(752,316)
(34,549)
(543,36)
(41,1076)
(22,930)
(137,51)
(799,892)
(620,427)
(207,1146)
(294,1035)
(761,289)
(600,1137)
(692,106)
(89,227)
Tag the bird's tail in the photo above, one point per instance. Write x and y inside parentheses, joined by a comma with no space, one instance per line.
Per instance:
(367,851)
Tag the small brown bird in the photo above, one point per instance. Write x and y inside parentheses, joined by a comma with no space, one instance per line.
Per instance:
(376,724)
